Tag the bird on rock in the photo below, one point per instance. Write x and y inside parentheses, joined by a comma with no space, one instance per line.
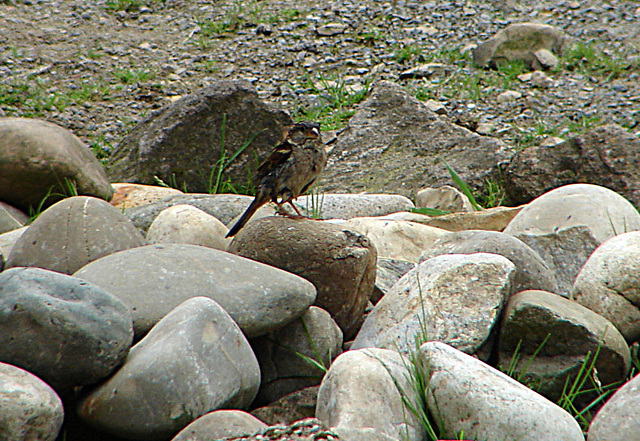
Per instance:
(289,170)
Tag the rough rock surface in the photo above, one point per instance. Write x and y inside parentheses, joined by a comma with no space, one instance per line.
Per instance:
(607,155)
(183,141)
(31,410)
(393,142)
(456,298)
(341,263)
(72,233)
(154,279)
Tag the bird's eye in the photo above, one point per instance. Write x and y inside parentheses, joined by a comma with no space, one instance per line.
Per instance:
(315,131)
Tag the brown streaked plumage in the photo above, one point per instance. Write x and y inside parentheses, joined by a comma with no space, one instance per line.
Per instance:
(289,170)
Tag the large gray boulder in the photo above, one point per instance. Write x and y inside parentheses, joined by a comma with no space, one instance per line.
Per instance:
(39,160)
(531,271)
(562,334)
(67,331)
(193,361)
(471,396)
(31,410)
(154,279)
(565,225)
(607,155)
(365,389)
(456,298)
(393,143)
(182,142)
(609,284)
(72,233)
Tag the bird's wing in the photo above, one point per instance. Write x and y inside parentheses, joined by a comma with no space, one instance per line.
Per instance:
(276,158)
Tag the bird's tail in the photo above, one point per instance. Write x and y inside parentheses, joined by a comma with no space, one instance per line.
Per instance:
(257,202)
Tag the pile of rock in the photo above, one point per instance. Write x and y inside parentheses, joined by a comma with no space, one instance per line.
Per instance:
(132,322)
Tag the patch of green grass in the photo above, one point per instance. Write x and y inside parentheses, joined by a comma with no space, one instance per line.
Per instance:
(408,53)
(588,59)
(216,183)
(133,76)
(340,101)
(123,5)
(230,22)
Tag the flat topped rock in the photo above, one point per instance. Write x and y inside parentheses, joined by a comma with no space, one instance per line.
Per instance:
(154,279)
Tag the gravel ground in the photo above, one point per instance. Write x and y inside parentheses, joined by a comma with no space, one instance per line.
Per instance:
(99,67)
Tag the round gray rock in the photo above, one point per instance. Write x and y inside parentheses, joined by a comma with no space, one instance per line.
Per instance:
(531,271)
(72,233)
(609,283)
(565,225)
(75,332)
(341,263)
(618,419)
(31,410)
(220,424)
(193,361)
(37,158)
(455,298)
(154,279)
(471,396)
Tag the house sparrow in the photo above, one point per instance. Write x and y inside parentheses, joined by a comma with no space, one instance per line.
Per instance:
(289,171)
